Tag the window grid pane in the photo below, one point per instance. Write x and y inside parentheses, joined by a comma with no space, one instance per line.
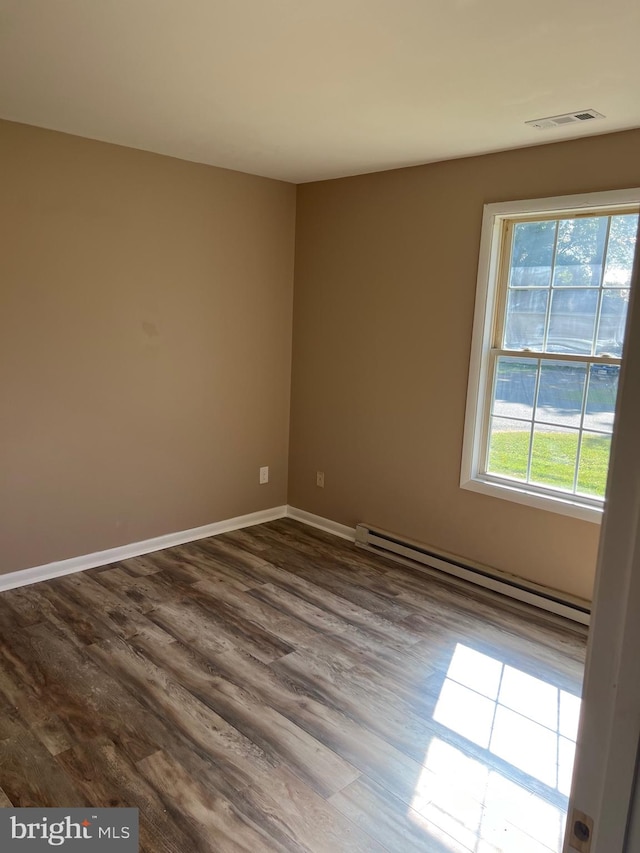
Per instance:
(554,457)
(621,249)
(612,318)
(593,465)
(551,423)
(580,251)
(558,271)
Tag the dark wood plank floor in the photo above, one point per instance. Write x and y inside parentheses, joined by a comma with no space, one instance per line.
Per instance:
(278,689)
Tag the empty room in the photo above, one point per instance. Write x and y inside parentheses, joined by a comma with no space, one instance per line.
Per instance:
(319,483)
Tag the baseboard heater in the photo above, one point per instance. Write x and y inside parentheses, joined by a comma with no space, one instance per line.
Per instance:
(416,555)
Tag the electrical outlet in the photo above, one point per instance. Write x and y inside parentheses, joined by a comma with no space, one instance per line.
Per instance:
(264,475)
(320,479)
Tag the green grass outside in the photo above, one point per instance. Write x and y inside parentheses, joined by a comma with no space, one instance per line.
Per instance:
(553,459)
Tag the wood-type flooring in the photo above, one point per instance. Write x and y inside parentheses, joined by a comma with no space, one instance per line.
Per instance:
(278,689)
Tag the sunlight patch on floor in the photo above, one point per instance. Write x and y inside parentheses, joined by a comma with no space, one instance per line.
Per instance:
(507,792)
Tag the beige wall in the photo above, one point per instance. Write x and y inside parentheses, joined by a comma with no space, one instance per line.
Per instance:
(145,344)
(145,347)
(386,270)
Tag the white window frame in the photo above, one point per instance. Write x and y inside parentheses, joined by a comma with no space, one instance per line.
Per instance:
(479,393)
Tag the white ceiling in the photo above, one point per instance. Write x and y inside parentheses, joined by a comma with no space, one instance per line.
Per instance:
(308,89)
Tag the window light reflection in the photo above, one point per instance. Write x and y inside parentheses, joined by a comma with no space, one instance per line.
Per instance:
(523,721)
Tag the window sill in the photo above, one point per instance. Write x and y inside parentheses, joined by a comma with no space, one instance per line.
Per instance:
(564,505)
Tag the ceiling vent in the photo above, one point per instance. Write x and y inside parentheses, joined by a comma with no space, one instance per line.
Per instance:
(567,118)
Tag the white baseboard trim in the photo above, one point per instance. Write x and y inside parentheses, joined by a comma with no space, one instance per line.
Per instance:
(322,523)
(49,571)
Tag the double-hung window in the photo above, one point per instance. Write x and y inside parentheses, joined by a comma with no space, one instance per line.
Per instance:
(554,284)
